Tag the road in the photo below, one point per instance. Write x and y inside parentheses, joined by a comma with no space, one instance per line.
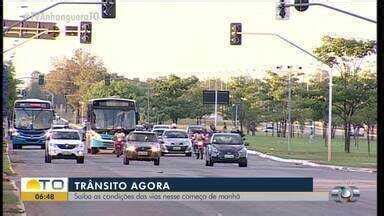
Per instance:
(30,163)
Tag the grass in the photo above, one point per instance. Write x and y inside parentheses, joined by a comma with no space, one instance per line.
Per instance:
(10,199)
(316,151)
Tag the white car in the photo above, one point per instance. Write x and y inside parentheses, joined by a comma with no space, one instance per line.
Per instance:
(64,144)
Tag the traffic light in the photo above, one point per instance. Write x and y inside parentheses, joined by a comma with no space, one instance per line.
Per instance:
(235,37)
(107,80)
(85,32)
(282,12)
(41,79)
(301,8)
(108,9)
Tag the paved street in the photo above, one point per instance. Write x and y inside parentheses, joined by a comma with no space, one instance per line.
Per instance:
(30,162)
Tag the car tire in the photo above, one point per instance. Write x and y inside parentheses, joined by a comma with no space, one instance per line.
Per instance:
(42,147)
(48,159)
(243,164)
(94,150)
(162,154)
(156,162)
(126,161)
(189,154)
(14,146)
(206,163)
(80,160)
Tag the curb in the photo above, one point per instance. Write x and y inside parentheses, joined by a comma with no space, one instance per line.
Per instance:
(312,164)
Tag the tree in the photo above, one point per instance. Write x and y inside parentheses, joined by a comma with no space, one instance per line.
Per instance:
(12,83)
(346,55)
(168,97)
(71,76)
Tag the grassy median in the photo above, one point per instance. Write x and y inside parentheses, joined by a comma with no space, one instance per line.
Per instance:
(11,201)
(316,151)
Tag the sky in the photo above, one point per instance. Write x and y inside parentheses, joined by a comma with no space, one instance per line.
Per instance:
(151,38)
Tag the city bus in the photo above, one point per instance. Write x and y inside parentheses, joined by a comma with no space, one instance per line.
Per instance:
(31,120)
(105,116)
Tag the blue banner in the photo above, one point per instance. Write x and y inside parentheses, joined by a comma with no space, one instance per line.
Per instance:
(215,184)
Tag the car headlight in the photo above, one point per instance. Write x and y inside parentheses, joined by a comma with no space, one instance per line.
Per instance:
(243,152)
(215,151)
(15,133)
(51,144)
(131,148)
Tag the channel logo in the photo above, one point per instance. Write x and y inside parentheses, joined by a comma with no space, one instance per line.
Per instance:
(44,189)
(345,194)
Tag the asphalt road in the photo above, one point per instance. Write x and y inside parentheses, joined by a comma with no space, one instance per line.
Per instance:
(30,163)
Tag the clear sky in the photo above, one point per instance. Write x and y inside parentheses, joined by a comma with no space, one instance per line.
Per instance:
(151,38)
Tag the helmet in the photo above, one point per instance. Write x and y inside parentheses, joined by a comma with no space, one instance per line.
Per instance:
(173,126)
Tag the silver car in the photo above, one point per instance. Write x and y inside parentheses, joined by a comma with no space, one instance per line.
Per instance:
(176,141)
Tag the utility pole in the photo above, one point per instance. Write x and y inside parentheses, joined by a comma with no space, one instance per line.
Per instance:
(329,137)
(215,107)
(289,109)
(148,107)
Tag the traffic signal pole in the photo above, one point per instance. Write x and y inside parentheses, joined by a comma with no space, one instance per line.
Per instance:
(332,8)
(47,8)
(29,39)
(329,129)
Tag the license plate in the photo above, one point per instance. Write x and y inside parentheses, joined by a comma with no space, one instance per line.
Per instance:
(142,153)
(229,156)
(67,153)
(176,148)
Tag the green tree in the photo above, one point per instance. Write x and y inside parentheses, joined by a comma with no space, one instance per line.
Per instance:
(12,85)
(346,56)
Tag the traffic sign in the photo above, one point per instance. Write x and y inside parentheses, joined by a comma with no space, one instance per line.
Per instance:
(31,29)
(209,97)
(301,8)
(71,30)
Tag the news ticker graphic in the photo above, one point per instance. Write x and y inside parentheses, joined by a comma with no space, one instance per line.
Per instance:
(169,189)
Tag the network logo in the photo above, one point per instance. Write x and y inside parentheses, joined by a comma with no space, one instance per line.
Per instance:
(42,184)
(345,194)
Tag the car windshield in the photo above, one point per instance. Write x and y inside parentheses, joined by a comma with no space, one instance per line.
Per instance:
(114,118)
(66,135)
(227,139)
(159,132)
(142,137)
(33,119)
(175,134)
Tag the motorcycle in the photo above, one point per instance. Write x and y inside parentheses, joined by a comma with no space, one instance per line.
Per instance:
(119,146)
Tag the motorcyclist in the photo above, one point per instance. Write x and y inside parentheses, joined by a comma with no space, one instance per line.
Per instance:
(119,139)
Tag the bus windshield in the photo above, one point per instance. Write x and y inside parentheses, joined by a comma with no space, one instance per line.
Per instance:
(29,119)
(114,119)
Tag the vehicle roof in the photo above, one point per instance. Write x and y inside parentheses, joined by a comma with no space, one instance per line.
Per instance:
(180,130)
(195,126)
(143,132)
(159,129)
(228,134)
(159,125)
(32,100)
(111,98)
(64,130)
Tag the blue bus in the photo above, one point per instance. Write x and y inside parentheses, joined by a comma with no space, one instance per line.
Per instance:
(105,116)
(31,120)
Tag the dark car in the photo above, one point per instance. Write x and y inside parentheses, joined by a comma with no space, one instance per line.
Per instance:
(226,148)
(142,146)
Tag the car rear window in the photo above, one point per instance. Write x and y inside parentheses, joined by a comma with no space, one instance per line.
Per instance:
(65,135)
(142,137)
(159,132)
(227,139)
(175,134)
(196,130)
